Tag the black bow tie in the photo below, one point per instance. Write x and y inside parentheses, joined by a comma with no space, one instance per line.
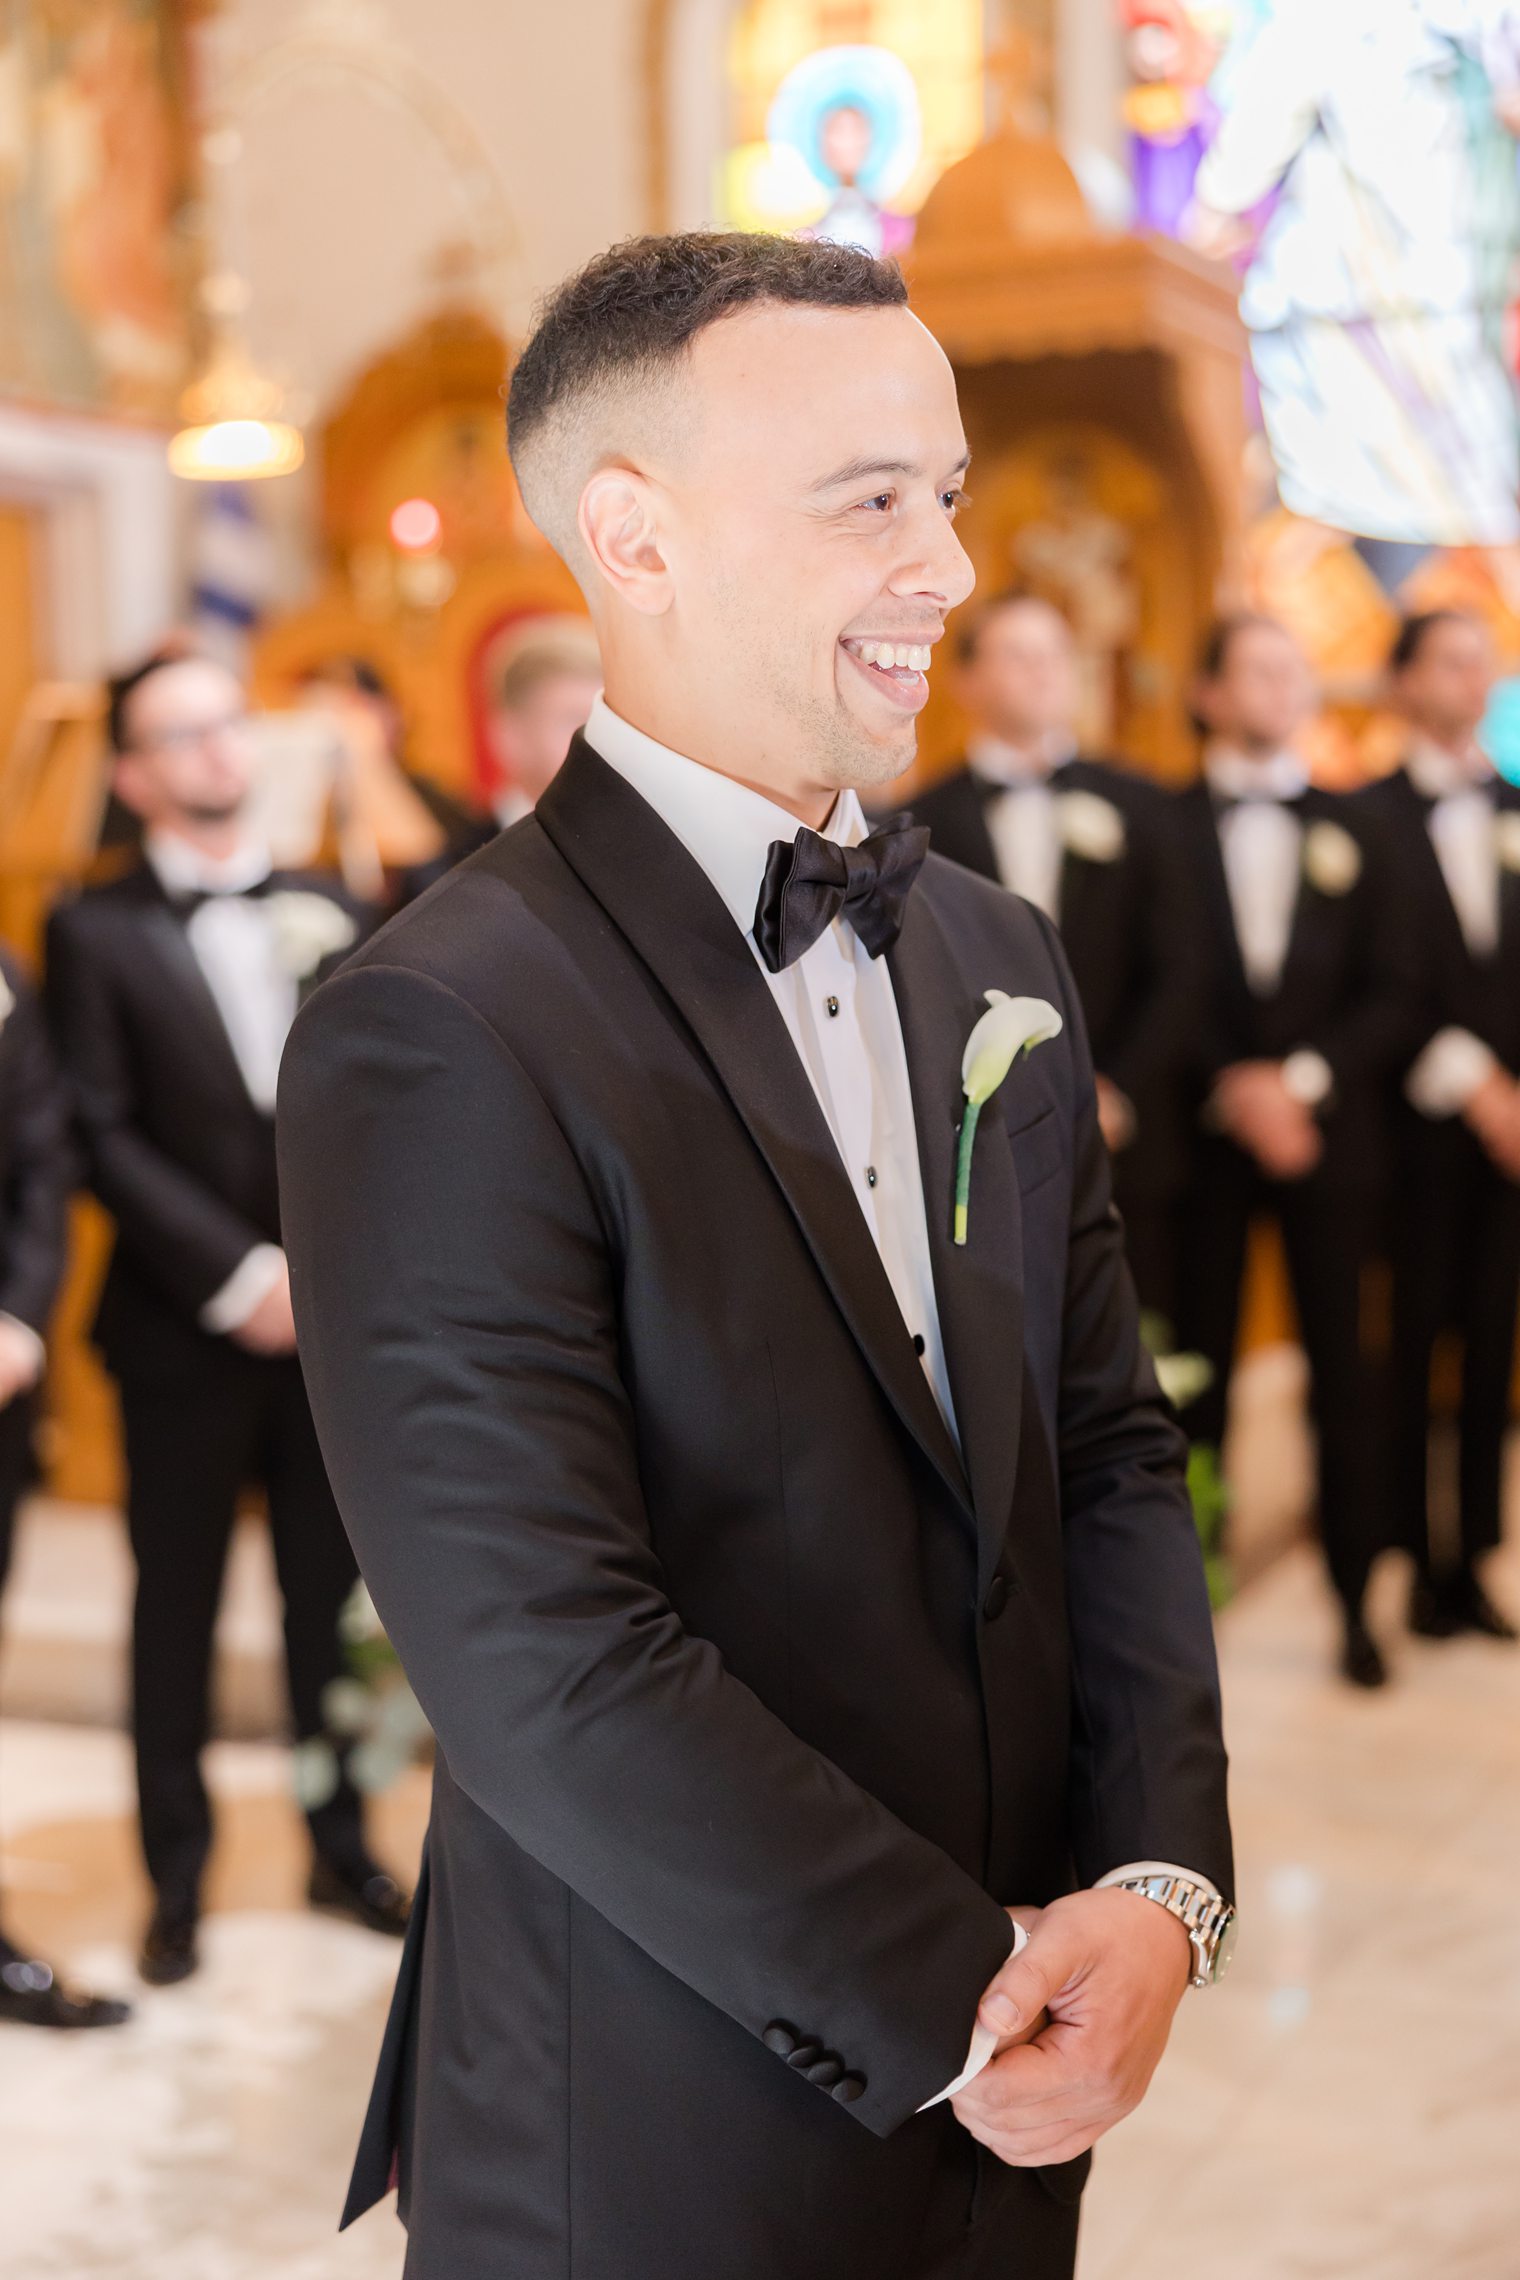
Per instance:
(811,881)
(185,905)
(1226,803)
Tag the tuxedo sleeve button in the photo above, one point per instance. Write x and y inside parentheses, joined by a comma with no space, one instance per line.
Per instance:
(996,1599)
(805,2054)
(848,2088)
(780,2038)
(826,2071)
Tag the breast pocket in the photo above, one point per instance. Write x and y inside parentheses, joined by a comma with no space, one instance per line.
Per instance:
(1038,1150)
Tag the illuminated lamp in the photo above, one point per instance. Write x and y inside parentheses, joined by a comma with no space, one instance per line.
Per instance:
(233,432)
(416,526)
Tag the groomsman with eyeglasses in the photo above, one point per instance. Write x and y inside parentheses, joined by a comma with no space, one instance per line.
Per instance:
(1302,939)
(1085,840)
(1454,826)
(172,988)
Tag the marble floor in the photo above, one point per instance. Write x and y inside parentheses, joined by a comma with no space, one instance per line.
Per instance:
(1347,2105)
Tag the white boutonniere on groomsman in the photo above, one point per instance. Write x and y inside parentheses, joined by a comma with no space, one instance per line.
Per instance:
(307,929)
(1332,858)
(8,998)
(1090,826)
(1507,838)
(1010,1026)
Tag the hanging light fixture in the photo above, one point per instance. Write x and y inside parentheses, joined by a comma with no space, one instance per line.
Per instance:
(232,431)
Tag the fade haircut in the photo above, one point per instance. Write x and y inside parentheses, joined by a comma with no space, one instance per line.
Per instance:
(623,325)
(1415,631)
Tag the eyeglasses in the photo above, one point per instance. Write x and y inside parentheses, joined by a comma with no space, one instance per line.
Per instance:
(194,732)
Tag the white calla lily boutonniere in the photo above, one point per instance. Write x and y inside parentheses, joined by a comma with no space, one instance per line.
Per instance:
(307,928)
(1090,826)
(1009,1027)
(1507,838)
(1332,858)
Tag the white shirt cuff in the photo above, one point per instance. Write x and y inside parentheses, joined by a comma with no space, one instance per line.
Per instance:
(983,2042)
(245,1289)
(1448,1073)
(39,1350)
(1308,1077)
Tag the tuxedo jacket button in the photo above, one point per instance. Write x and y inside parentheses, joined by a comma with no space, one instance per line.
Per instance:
(804,2055)
(848,2088)
(996,1599)
(780,2038)
(826,2071)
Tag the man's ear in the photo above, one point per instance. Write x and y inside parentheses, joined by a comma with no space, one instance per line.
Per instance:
(619,528)
(127,783)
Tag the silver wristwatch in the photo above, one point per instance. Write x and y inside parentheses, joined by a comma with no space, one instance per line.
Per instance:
(1207,1918)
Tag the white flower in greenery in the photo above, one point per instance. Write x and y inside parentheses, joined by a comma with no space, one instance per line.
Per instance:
(1332,858)
(1010,1026)
(307,929)
(1090,826)
(1507,837)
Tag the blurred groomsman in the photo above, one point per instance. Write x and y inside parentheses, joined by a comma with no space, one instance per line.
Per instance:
(172,989)
(544,693)
(1455,831)
(35,1176)
(1299,933)
(1087,842)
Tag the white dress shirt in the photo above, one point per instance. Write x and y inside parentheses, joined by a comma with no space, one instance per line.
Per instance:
(1261,842)
(232,940)
(841,1014)
(1022,819)
(1461,825)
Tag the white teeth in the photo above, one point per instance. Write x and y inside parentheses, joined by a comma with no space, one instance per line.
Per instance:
(905,656)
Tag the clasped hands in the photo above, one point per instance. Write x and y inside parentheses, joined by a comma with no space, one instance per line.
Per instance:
(1493,1114)
(1082,2014)
(1253,1105)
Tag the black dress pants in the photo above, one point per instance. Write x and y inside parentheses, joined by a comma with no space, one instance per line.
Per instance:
(16,1469)
(989,2222)
(1456,1269)
(193,1444)
(1328,1227)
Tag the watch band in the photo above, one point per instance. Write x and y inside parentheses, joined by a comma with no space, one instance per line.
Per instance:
(1207,1918)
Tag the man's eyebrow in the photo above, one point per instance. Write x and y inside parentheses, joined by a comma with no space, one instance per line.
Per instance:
(857,470)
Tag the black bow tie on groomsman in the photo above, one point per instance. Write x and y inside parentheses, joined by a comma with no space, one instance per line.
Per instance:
(811,881)
(185,905)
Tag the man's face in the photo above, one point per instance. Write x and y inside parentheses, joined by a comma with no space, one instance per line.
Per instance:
(1445,691)
(1264,694)
(808,532)
(1021,682)
(530,738)
(190,758)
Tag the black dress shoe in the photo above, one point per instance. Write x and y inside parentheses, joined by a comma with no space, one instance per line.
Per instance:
(169,1950)
(1432,1611)
(1477,1612)
(363,1893)
(32,1996)
(1361,1658)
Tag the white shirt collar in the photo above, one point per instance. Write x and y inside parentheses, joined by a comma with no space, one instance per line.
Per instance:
(1439,773)
(1013,765)
(183,869)
(723,825)
(1233,776)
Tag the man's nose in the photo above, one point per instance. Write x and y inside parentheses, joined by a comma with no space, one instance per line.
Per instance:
(939,568)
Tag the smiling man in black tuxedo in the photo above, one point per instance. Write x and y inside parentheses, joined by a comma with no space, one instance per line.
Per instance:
(793,1590)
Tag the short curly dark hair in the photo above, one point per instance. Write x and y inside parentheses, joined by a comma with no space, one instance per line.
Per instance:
(638,307)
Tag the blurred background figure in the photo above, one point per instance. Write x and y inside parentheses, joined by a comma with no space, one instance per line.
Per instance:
(545,685)
(1302,940)
(171,989)
(1086,841)
(36,1174)
(1455,1229)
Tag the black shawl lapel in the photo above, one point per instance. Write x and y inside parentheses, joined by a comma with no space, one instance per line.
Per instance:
(979,1285)
(171,945)
(664,905)
(1214,886)
(1507,802)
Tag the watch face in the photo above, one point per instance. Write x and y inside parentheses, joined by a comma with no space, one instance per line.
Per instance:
(1224,1953)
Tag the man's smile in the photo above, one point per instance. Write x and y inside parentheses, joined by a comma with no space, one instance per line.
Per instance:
(897,670)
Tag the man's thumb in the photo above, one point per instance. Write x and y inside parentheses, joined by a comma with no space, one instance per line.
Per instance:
(1024,1986)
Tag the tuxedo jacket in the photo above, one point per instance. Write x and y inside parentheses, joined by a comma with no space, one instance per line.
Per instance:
(1345,990)
(755,1697)
(173,1144)
(37,1165)
(1450,987)
(1123,928)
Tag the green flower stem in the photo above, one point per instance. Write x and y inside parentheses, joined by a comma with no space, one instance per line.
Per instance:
(963,1168)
